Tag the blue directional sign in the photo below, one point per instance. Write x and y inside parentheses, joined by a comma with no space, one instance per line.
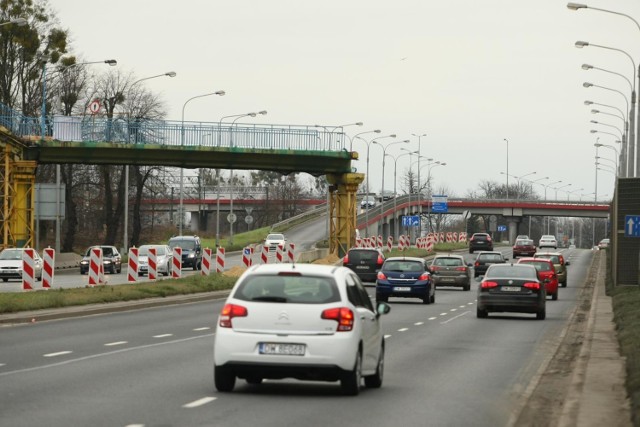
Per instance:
(439,203)
(410,221)
(632,226)
(502,228)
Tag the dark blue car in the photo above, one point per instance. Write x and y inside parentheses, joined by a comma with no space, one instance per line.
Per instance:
(405,277)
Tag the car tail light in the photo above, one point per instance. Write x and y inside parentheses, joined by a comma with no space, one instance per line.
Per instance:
(380,260)
(488,238)
(434,268)
(561,259)
(229,311)
(532,285)
(343,315)
(424,276)
(488,285)
(382,276)
(345,260)
(461,268)
(477,263)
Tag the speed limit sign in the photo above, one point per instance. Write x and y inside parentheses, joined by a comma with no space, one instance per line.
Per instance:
(94,107)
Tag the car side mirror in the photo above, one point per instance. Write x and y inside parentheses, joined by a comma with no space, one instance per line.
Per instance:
(383,308)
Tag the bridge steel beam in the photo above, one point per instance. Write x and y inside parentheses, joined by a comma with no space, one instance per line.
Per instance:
(18,201)
(343,211)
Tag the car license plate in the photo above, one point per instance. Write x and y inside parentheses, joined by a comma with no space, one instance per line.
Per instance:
(510,288)
(362,267)
(402,288)
(447,279)
(281,348)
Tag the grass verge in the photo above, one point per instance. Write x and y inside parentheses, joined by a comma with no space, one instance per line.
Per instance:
(38,300)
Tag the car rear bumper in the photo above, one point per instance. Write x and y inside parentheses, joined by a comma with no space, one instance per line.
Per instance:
(524,253)
(515,303)
(414,291)
(450,280)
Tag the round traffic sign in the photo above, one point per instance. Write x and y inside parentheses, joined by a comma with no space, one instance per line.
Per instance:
(232,218)
(248,219)
(94,106)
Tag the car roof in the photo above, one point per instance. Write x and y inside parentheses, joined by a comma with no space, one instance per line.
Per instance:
(547,253)
(405,258)
(489,252)
(313,269)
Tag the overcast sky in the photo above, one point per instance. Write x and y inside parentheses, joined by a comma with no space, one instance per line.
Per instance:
(467,73)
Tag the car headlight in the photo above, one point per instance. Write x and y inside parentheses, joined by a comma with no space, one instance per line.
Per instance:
(106,261)
(84,262)
(192,255)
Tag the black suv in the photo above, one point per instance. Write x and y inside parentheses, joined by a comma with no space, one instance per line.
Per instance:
(480,242)
(484,260)
(365,262)
(191,250)
(111,260)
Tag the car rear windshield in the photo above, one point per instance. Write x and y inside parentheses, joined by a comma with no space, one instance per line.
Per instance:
(554,258)
(182,243)
(403,265)
(480,236)
(288,289)
(490,257)
(510,271)
(448,262)
(539,265)
(524,242)
(360,255)
(275,237)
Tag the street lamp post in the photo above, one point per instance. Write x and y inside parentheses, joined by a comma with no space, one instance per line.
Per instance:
(410,176)
(236,117)
(366,212)
(597,144)
(384,155)
(431,166)
(182,143)
(395,193)
(333,129)
(633,172)
(419,190)
(507,141)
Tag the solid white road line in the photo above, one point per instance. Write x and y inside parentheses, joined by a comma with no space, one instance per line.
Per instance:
(60,353)
(111,344)
(199,402)
(163,335)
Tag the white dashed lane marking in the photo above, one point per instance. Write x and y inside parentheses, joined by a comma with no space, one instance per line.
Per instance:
(199,402)
(111,344)
(163,336)
(204,328)
(432,318)
(443,314)
(454,309)
(418,323)
(59,353)
(403,329)
(387,336)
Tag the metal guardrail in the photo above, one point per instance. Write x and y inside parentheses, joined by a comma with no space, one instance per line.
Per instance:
(304,216)
(122,129)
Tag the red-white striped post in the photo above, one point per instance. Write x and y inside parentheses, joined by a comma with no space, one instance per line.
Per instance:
(389,243)
(28,269)
(219,260)
(206,262)
(176,263)
(96,268)
(280,253)
(152,263)
(264,254)
(49,259)
(379,245)
(442,238)
(290,251)
(454,237)
(449,237)
(132,268)
(246,256)
(429,245)
(358,242)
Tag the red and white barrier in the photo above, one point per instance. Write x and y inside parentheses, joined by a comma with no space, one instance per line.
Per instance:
(96,267)
(358,242)
(152,264)
(246,256)
(132,267)
(449,237)
(264,254)
(389,243)
(454,237)
(430,245)
(442,238)
(462,236)
(290,252)
(219,260)
(49,259)
(379,242)
(206,262)
(280,253)
(28,269)
(176,263)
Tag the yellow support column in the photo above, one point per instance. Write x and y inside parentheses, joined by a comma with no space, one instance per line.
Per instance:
(342,211)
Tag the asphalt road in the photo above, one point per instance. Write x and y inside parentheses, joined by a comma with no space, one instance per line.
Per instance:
(153,367)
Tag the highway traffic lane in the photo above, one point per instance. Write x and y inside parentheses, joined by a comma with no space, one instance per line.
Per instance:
(401,365)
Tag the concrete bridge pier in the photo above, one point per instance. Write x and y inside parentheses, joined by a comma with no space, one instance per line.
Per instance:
(513,222)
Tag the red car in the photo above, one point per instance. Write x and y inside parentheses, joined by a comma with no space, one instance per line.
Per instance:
(523,247)
(546,274)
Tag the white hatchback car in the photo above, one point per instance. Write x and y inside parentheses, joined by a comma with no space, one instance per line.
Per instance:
(163,259)
(304,321)
(548,241)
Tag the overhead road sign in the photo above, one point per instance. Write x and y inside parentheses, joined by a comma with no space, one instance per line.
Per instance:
(439,203)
